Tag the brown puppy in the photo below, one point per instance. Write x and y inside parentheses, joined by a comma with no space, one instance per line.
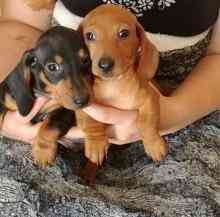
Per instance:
(123,62)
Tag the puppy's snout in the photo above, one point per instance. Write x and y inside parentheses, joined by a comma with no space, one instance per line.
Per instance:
(81,102)
(106,64)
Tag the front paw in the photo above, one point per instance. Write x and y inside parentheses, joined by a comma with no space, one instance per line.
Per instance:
(44,152)
(157,149)
(96,151)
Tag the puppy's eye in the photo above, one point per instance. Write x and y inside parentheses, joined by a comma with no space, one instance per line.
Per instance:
(124,33)
(52,67)
(90,36)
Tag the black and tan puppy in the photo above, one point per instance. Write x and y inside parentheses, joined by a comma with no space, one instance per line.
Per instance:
(57,67)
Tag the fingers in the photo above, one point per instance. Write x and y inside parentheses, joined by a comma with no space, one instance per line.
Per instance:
(117,134)
(123,134)
(122,131)
(31,132)
(110,115)
(39,103)
(14,129)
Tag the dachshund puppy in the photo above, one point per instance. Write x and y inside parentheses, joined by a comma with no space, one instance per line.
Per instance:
(123,63)
(58,68)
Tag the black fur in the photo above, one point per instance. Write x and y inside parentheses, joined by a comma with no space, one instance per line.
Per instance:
(65,43)
(57,41)
(20,91)
(62,119)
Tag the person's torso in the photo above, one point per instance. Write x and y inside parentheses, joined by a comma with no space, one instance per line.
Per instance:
(172,17)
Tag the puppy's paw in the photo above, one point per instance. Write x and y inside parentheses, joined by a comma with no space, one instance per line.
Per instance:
(96,151)
(157,149)
(44,152)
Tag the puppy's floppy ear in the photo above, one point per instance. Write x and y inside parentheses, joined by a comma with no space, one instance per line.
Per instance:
(147,56)
(18,84)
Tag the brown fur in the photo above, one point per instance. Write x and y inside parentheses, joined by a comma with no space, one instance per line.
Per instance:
(127,85)
(44,150)
(62,93)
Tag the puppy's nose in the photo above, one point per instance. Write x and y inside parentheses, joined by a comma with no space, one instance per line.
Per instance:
(106,64)
(80,102)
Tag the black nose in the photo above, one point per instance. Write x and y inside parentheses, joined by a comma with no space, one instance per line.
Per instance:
(106,64)
(81,101)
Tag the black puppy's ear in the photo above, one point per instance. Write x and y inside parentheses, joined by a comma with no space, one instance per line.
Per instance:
(18,84)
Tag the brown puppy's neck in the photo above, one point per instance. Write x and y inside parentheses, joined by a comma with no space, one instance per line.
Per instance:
(121,92)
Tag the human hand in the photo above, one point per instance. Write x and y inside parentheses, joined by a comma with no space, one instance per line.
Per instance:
(122,124)
(122,129)
(18,127)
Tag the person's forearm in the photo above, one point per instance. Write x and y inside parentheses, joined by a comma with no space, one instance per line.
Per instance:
(15,39)
(196,97)
(21,11)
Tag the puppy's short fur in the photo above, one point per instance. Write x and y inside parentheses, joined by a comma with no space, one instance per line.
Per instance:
(58,67)
(123,62)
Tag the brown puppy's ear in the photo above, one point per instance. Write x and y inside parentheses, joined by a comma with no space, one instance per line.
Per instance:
(18,84)
(147,56)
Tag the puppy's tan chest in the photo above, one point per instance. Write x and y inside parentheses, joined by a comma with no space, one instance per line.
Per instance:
(122,95)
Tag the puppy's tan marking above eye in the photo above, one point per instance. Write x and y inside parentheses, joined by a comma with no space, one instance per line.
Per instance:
(84,57)
(10,102)
(43,78)
(59,59)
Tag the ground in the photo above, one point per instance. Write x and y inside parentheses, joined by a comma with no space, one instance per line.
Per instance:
(186,183)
